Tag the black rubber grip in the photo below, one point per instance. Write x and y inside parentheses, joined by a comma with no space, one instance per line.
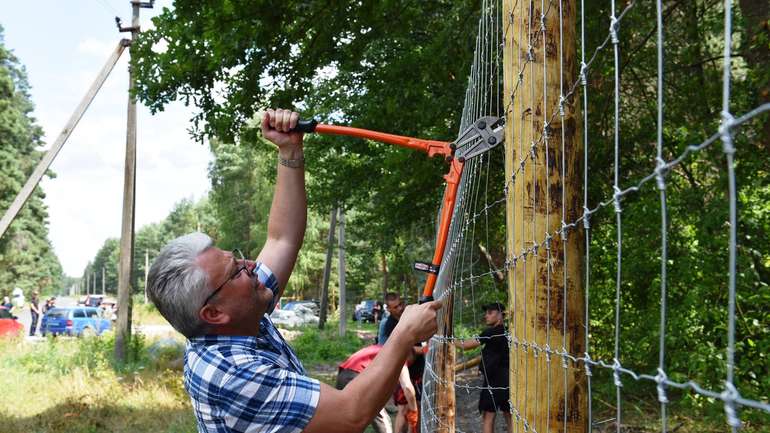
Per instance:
(305,126)
(424,299)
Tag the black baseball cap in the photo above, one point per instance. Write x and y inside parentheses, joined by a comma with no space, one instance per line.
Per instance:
(494,306)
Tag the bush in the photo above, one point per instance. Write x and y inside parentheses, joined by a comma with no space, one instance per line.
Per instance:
(314,346)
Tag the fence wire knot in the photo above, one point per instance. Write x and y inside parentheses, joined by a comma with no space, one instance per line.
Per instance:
(564,354)
(564,231)
(586,218)
(562,100)
(660,173)
(583,74)
(530,54)
(614,24)
(661,379)
(587,364)
(726,134)
(616,199)
(616,372)
(729,396)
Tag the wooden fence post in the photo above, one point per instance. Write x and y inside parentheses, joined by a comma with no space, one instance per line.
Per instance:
(547,393)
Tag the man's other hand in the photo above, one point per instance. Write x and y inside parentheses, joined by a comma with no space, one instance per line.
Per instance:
(419,321)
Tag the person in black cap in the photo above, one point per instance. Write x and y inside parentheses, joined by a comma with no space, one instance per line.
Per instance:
(494,367)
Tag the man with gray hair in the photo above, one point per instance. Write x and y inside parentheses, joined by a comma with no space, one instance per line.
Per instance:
(240,373)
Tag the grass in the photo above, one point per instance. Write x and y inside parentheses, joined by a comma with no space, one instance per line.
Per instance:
(145,314)
(73,385)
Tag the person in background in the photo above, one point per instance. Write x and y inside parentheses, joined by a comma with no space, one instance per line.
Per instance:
(49,303)
(7,303)
(356,363)
(34,311)
(396,307)
(17,301)
(494,367)
(377,312)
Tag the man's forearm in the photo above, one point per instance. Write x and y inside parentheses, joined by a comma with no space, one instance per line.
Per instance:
(371,389)
(288,213)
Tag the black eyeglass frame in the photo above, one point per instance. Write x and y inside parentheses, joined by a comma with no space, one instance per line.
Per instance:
(243,267)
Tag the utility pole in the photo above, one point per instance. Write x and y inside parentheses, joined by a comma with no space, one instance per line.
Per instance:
(545,284)
(327,269)
(103,286)
(123,332)
(343,296)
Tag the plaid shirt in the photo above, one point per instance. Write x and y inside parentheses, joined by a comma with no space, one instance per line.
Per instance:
(249,384)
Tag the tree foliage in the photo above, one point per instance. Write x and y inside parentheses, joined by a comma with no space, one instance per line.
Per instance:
(27,259)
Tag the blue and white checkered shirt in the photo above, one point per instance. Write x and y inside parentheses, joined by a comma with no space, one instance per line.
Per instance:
(249,384)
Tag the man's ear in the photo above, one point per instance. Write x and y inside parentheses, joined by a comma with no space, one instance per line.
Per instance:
(213,315)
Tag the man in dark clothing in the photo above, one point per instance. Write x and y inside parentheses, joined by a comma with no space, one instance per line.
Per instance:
(494,367)
(34,310)
(395,307)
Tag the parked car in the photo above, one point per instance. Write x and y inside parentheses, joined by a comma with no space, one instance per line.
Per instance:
(312,305)
(9,326)
(77,321)
(365,310)
(298,315)
(91,300)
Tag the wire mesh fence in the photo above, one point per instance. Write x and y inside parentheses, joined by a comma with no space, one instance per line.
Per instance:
(583,226)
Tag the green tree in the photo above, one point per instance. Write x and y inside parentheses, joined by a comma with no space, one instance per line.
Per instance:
(27,258)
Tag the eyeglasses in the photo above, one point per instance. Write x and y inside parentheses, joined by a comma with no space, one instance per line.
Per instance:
(238,270)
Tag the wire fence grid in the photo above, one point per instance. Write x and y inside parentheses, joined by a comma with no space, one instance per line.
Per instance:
(481,206)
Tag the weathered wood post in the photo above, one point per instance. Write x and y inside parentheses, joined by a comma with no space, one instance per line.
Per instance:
(543,160)
(327,269)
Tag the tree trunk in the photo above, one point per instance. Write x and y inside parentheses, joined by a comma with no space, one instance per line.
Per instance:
(343,294)
(384,262)
(327,270)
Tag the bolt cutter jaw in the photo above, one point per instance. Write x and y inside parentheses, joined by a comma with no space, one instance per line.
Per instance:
(484,134)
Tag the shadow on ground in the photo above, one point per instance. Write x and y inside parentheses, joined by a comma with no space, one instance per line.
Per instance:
(76,416)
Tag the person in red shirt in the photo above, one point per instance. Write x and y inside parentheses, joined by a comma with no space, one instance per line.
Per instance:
(356,363)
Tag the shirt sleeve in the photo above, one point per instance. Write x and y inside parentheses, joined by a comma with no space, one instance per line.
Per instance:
(265,398)
(266,277)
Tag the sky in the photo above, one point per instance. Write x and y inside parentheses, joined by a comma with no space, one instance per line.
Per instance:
(63,45)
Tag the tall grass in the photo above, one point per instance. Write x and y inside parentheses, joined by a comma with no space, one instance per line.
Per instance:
(74,385)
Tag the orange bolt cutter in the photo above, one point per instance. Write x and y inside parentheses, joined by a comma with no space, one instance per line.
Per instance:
(484,134)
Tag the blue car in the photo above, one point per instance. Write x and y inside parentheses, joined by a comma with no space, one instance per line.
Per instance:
(75,321)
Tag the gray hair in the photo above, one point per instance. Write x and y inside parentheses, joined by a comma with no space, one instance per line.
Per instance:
(177,285)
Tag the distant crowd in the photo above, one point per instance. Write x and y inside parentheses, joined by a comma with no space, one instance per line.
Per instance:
(16,305)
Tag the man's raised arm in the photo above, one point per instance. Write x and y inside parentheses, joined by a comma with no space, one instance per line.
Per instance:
(288,213)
